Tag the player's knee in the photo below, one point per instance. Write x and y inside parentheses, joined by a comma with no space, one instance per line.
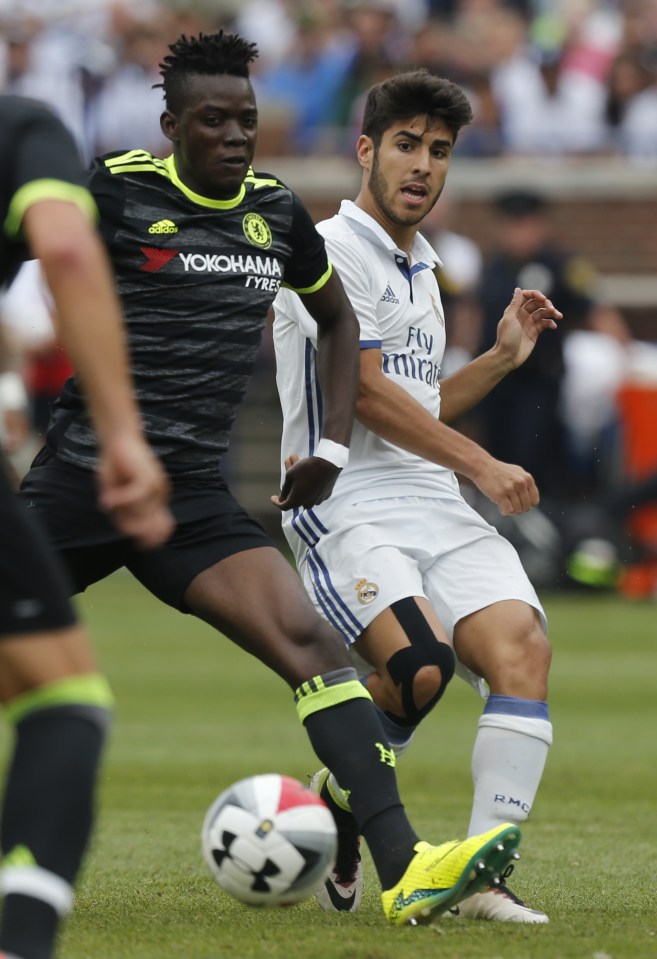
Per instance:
(309,651)
(429,684)
(420,675)
(521,663)
(541,650)
(530,649)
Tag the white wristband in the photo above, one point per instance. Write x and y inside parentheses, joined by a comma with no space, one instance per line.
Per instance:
(332,452)
(13,395)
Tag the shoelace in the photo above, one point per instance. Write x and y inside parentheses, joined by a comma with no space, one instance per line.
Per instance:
(504,889)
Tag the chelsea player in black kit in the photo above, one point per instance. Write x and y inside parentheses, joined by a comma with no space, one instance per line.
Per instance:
(54,697)
(200,245)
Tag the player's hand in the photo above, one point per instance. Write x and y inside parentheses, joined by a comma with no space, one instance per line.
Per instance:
(528,315)
(134,490)
(308,481)
(510,487)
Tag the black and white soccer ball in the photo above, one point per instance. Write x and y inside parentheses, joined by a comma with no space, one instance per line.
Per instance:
(268,841)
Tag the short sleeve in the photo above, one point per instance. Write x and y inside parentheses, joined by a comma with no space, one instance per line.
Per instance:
(108,191)
(352,265)
(308,268)
(46,164)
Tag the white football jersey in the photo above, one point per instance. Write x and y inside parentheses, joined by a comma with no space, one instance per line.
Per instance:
(399,309)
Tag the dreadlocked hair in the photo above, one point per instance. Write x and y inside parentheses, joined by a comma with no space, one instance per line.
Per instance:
(208,54)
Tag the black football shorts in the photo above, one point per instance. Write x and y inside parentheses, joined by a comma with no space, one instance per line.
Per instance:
(210,526)
(33,588)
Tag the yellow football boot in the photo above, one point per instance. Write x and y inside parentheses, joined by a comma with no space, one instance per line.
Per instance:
(439,877)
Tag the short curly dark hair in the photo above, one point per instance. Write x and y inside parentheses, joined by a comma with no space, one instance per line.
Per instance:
(208,54)
(411,94)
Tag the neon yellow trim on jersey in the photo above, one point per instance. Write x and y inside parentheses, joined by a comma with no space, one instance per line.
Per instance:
(88,689)
(170,164)
(138,168)
(259,182)
(136,161)
(139,161)
(323,280)
(132,155)
(313,696)
(46,189)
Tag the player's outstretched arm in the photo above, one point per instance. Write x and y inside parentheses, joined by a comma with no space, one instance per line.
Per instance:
(310,481)
(529,314)
(388,410)
(133,485)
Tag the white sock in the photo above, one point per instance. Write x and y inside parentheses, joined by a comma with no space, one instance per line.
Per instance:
(507,764)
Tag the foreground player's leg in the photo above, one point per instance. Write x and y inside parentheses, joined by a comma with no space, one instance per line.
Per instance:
(420,881)
(48,807)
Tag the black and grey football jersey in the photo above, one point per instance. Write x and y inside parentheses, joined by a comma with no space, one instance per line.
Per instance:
(196,278)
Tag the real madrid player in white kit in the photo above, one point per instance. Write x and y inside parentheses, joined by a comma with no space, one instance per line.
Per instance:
(396,560)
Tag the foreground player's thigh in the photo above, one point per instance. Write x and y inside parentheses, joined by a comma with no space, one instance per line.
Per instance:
(259,602)
(31,660)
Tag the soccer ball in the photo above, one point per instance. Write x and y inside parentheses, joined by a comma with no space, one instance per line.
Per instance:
(268,841)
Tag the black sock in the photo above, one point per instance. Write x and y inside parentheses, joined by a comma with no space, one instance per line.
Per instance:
(47,816)
(394,850)
(364,769)
(29,927)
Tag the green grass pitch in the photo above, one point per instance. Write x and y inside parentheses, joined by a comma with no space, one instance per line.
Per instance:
(195,714)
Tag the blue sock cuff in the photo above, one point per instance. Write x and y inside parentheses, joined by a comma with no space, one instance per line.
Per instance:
(395,734)
(513,706)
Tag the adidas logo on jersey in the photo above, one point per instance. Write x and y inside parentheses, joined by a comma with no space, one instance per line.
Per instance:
(163,226)
(389,296)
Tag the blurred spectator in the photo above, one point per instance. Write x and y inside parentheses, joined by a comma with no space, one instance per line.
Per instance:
(613,531)
(45,366)
(483,137)
(458,277)
(547,107)
(126,108)
(14,400)
(306,81)
(40,61)
(520,419)
(271,24)
(631,106)
(596,359)
(375,45)
(600,359)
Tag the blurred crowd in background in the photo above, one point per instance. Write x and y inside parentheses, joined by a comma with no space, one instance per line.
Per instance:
(551,79)
(555,77)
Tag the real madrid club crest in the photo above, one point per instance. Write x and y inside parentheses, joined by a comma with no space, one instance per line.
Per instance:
(256,230)
(366,592)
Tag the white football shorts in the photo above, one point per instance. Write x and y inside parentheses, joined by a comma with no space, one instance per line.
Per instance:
(367,555)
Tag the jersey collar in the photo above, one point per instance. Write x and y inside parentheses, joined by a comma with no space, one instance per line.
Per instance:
(365,225)
(170,164)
